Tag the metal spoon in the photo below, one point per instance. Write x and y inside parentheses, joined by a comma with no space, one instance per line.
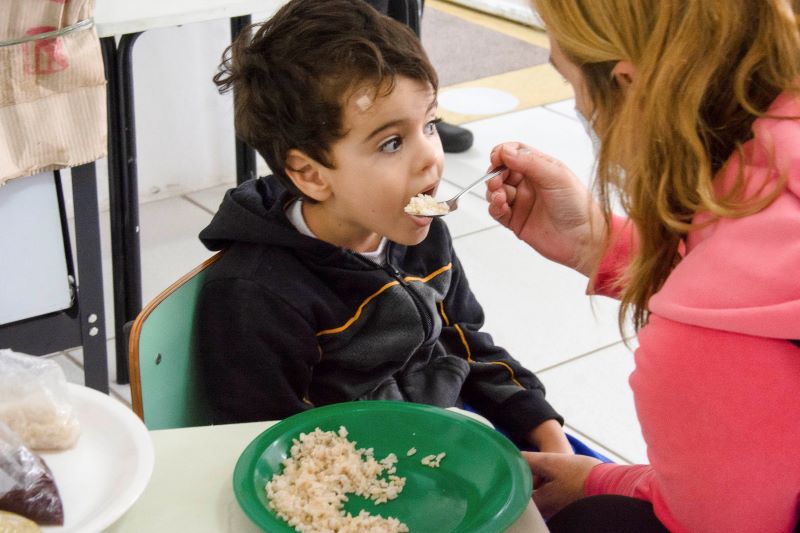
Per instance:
(448,206)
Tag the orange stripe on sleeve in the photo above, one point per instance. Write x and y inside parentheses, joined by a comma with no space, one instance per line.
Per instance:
(471,360)
(444,315)
(464,342)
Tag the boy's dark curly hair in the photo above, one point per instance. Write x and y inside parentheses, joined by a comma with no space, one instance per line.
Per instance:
(293,74)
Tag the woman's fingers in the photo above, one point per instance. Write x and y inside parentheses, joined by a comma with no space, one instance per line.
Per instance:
(543,493)
(540,464)
(500,194)
(498,207)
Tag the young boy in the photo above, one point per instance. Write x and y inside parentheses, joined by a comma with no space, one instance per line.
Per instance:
(328,292)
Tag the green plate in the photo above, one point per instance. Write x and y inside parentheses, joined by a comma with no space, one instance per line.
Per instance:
(483,484)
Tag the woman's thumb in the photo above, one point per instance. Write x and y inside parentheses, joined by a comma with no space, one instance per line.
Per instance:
(534,164)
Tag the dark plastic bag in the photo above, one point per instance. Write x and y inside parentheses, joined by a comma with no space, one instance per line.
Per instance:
(27,486)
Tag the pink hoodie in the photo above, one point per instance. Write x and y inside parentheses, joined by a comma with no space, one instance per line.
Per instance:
(716,384)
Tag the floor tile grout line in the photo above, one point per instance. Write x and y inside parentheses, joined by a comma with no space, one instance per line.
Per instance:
(584,436)
(197,204)
(119,397)
(577,357)
(474,193)
(110,389)
(477,231)
(561,113)
(71,358)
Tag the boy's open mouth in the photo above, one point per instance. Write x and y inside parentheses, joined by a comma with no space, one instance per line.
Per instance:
(423,221)
(430,191)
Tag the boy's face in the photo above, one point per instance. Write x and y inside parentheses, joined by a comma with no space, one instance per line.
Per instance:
(390,153)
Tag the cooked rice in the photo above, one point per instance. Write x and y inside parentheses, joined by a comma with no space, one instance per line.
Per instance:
(322,469)
(433,461)
(410,452)
(426,205)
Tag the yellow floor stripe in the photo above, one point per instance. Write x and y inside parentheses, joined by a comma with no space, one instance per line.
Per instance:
(533,86)
(508,27)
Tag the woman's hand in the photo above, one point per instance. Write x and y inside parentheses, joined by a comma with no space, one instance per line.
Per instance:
(558,479)
(546,206)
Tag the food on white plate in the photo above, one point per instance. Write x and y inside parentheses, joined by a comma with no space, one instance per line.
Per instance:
(426,205)
(35,403)
(27,486)
(41,423)
(14,523)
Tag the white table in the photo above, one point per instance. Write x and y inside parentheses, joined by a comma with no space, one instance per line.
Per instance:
(122,17)
(192,489)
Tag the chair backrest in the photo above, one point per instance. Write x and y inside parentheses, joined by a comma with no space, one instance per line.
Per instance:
(166,386)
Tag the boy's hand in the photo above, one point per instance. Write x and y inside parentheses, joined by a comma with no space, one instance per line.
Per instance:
(559,479)
(549,437)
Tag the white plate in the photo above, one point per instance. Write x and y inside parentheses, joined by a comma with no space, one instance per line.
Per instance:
(471,414)
(109,467)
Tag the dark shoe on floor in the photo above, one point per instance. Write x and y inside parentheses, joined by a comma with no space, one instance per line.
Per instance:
(455,139)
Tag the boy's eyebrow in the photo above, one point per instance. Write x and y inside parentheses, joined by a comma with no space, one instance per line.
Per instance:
(376,131)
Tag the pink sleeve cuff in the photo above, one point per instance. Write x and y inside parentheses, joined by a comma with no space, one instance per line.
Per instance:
(626,480)
(622,242)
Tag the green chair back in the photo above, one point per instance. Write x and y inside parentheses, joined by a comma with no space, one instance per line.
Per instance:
(166,386)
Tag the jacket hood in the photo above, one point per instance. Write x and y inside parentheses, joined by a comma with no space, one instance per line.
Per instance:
(743,274)
(254,213)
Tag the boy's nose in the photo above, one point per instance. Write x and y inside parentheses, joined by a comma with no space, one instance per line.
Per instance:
(431,152)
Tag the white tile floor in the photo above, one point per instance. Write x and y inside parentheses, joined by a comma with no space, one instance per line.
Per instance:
(536,309)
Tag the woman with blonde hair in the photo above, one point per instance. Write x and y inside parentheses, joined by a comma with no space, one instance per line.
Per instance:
(696,107)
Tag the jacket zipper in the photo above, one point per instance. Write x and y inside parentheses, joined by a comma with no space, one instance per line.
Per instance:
(389,268)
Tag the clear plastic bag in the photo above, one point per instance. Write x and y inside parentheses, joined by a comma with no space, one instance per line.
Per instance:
(27,487)
(34,402)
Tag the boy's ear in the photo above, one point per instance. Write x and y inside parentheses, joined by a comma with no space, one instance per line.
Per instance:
(307,175)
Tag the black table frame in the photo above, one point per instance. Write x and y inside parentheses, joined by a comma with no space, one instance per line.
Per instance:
(123,185)
(83,324)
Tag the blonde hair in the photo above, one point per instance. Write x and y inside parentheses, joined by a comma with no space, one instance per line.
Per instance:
(705,70)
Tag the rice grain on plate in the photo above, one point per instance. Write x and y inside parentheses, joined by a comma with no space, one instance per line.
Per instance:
(322,468)
(433,461)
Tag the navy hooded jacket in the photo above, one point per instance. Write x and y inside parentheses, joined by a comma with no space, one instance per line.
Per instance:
(288,322)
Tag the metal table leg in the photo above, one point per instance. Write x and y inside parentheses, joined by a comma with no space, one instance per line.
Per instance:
(90,277)
(245,156)
(123,192)
(123,185)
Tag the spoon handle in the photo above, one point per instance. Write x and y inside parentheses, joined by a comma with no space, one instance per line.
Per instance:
(492,173)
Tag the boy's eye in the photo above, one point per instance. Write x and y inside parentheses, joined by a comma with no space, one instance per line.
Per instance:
(430,127)
(392,145)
